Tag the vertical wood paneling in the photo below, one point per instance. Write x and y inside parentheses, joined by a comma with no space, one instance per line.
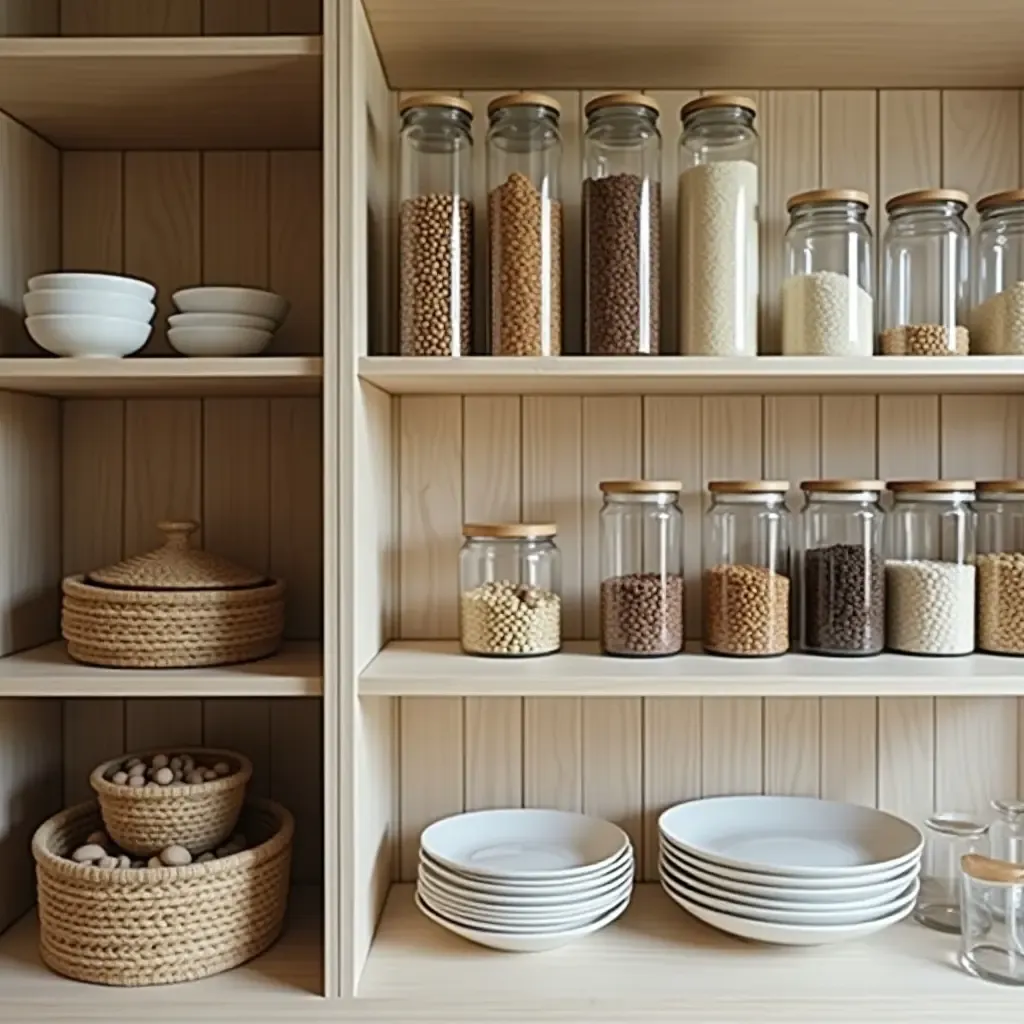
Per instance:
(553,753)
(296,779)
(295,17)
(30,18)
(131,18)
(244,725)
(572,124)
(236,17)
(92,218)
(163,724)
(909,132)
(93,732)
(236,204)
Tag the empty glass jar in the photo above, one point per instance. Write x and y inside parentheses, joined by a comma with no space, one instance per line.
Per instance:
(997,319)
(992,919)
(948,838)
(1000,510)
(1006,834)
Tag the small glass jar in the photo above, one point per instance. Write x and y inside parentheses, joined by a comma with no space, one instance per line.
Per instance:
(828,307)
(622,225)
(926,274)
(524,161)
(746,568)
(948,838)
(642,593)
(997,319)
(718,235)
(510,579)
(842,557)
(930,574)
(1000,509)
(1006,834)
(992,919)
(435,221)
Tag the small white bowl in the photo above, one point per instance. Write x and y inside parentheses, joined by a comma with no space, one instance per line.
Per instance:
(94,283)
(218,299)
(218,341)
(70,300)
(88,337)
(260,323)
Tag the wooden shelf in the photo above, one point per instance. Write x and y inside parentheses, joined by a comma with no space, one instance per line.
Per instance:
(206,92)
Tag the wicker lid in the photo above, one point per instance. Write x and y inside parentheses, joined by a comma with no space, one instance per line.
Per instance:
(827,195)
(435,99)
(176,566)
(842,486)
(928,195)
(509,530)
(640,486)
(717,100)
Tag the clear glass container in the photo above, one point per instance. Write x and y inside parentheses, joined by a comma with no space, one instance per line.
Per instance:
(997,319)
(435,221)
(746,568)
(930,573)
(719,151)
(828,306)
(524,161)
(948,838)
(842,568)
(926,273)
(1006,834)
(642,592)
(622,225)
(510,582)
(992,919)
(1000,510)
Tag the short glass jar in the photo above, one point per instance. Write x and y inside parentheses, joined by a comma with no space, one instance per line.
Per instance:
(842,568)
(642,592)
(435,220)
(1000,510)
(719,151)
(524,166)
(510,582)
(930,573)
(926,272)
(746,568)
(992,919)
(948,839)
(828,307)
(622,225)
(997,319)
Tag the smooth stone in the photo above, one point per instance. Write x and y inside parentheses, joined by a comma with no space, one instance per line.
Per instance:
(88,853)
(175,857)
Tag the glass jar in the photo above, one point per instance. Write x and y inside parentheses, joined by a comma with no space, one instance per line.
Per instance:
(510,579)
(842,592)
(828,307)
(926,269)
(642,593)
(1000,510)
(1006,834)
(718,215)
(948,839)
(746,568)
(622,225)
(435,221)
(992,919)
(997,319)
(524,158)
(930,574)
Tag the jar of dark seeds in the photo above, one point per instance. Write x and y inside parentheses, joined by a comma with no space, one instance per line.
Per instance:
(642,593)
(842,568)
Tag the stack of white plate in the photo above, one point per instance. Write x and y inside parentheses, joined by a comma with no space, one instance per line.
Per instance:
(223,321)
(524,880)
(790,870)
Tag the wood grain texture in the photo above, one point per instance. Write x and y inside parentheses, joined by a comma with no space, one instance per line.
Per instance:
(236,219)
(572,125)
(131,18)
(553,753)
(93,732)
(92,221)
(162,724)
(30,17)
(236,17)
(909,149)
(295,17)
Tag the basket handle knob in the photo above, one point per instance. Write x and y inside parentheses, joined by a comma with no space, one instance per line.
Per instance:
(177,532)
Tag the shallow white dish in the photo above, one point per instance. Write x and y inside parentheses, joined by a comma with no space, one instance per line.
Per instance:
(218,341)
(88,337)
(94,282)
(92,303)
(227,299)
(260,323)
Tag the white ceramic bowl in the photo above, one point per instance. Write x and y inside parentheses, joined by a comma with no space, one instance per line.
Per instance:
(92,303)
(88,337)
(94,283)
(260,323)
(218,341)
(223,299)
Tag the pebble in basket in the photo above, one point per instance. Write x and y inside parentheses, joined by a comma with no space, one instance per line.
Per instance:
(175,607)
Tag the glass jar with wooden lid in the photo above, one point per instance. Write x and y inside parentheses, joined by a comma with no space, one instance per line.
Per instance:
(997,319)
(1000,511)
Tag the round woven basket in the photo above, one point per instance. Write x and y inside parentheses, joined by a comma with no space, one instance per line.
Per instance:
(160,925)
(147,820)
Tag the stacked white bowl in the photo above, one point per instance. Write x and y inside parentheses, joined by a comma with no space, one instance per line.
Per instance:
(789,870)
(89,315)
(224,321)
(524,880)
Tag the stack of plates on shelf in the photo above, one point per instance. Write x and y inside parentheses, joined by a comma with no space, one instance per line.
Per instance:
(224,321)
(524,880)
(789,870)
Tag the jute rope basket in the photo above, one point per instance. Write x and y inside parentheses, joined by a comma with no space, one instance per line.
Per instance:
(161,925)
(147,820)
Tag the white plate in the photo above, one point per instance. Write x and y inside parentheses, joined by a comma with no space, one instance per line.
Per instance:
(80,336)
(791,835)
(228,299)
(92,303)
(94,282)
(525,844)
(218,341)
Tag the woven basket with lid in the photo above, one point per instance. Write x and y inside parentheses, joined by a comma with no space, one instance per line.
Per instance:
(175,607)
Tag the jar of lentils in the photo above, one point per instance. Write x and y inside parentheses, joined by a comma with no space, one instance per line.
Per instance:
(828,307)
(622,225)
(642,594)
(746,568)
(997,319)
(930,572)
(510,578)
(1000,510)
(524,160)
(925,275)
(842,568)
(435,221)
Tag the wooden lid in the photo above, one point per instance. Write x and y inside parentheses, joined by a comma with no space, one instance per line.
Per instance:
(928,195)
(929,486)
(988,869)
(621,99)
(524,530)
(828,195)
(640,486)
(723,100)
(748,486)
(435,99)
(523,99)
(1006,198)
(1000,486)
(842,486)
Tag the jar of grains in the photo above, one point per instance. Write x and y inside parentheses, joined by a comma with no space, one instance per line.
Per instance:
(925,276)
(510,576)
(1000,510)
(997,319)
(746,568)
(622,225)
(718,263)
(827,303)
(642,602)
(435,226)
(930,572)
(842,573)
(524,157)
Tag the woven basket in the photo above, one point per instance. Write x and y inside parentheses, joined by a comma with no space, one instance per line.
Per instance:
(161,925)
(147,820)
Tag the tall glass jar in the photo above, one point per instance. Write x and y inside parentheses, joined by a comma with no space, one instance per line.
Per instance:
(1006,834)
(828,308)
(930,574)
(718,216)
(997,320)
(842,596)
(926,274)
(510,578)
(622,225)
(642,595)
(435,226)
(524,158)
(1000,509)
(746,568)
